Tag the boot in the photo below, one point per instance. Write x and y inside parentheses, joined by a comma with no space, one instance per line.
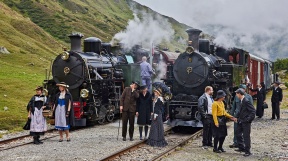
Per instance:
(35,140)
(38,139)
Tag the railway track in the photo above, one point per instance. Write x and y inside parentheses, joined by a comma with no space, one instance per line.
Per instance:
(131,152)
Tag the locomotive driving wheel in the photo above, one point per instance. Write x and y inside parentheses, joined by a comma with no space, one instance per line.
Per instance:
(110,113)
(101,121)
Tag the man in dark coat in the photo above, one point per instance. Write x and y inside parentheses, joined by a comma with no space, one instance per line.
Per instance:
(261,97)
(246,116)
(205,109)
(276,99)
(128,108)
(144,110)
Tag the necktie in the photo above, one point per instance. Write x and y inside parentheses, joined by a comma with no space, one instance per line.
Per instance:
(212,99)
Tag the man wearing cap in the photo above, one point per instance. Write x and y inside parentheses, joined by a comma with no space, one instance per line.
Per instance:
(235,112)
(205,109)
(146,72)
(128,108)
(276,99)
(245,118)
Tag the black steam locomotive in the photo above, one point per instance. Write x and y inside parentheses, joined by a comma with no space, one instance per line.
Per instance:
(193,70)
(95,81)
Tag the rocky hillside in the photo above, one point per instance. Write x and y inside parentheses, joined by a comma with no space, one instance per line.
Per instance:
(33,32)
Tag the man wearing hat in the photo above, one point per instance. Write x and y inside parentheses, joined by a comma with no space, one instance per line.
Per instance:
(245,117)
(235,112)
(276,99)
(128,108)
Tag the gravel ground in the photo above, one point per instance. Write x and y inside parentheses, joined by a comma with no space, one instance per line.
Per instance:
(89,144)
(269,141)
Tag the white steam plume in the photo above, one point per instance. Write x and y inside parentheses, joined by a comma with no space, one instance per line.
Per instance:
(258,26)
(145,30)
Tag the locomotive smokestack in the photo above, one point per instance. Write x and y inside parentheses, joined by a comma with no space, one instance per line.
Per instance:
(194,37)
(75,39)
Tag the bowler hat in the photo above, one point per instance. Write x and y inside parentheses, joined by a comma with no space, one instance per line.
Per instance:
(39,88)
(277,82)
(143,87)
(63,84)
(136,82)
(240,90)
(242,86)
(220,94)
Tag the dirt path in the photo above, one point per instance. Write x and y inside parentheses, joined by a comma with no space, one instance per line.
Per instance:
(269,141)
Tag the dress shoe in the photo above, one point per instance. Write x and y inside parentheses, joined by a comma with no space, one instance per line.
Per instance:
(204,147)
(210,145)
(272,119)
(141,138)
(233,146)
(124,139)
(240,150)
(216,151)
(247,154)
(277,119)
(221,150)
(131,139)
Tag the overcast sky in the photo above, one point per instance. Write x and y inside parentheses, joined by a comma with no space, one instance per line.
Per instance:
(243,23)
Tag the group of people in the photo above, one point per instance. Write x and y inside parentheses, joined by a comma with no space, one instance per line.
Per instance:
(62,111)
(213,116)
(148,110)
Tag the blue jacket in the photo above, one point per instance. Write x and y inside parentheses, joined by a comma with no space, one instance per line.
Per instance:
(146,69)
(236,105)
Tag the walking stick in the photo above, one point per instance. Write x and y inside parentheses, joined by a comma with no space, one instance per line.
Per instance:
(119,125)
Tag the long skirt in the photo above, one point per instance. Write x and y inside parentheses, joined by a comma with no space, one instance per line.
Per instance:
(156,135)
(38,124)
(220,131)
(60,118)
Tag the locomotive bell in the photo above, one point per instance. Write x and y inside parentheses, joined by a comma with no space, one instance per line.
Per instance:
(65,56)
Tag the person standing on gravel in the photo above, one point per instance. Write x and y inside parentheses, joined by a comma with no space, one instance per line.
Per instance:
(219,117)
(246,116)
(64,111)
(205,109)
(144,110)
(261,97)
(35,108)
(276,99)
(128,108)
(235,112)
(156,135)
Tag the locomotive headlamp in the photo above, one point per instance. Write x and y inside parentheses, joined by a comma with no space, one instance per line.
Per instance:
(65,56)
(189,50)
(45,92)
(84,93)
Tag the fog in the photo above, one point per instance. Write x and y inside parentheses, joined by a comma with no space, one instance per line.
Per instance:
(259,26)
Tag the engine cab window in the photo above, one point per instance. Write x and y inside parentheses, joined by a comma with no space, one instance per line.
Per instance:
(234,58)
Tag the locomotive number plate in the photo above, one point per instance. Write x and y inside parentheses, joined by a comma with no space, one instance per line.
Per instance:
(189,70)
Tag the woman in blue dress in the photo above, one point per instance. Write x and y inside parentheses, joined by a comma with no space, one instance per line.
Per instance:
(156,136)
(64,112)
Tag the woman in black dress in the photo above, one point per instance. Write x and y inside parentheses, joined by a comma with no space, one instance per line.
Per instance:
(156,136)
(35,108)
(261,97)
(144,110)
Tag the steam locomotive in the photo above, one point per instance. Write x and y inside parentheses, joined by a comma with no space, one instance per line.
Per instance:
(201,65)
(95,81)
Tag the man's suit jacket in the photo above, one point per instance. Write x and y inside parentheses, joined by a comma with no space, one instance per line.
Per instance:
(247,112)
(128,99)
(277,95)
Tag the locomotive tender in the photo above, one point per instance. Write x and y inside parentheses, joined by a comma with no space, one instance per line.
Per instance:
(95,81)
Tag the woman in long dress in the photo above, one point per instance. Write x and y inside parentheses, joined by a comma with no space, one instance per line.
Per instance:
(219,128)
(156,135)
(35,107)
(144,110)
(261,97)
(64,112)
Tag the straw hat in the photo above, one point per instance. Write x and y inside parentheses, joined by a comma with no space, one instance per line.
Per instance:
(63,84)
(39,88)
(158,90)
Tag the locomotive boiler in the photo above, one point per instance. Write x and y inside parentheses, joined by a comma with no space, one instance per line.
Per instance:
(93,78)
(187,78)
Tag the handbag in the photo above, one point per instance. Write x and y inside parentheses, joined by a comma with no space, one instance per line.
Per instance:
(27,125)
(221,120)
(265,105)
(47,113)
